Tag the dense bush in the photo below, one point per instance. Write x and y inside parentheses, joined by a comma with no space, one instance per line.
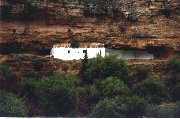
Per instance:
(28,87)
(136,106)
(31,75)
(151,88)
(108,108)
(5,70)
(160,111)
(113,87)
(101,68)
(177,110)
(7,79)
(57,94)
(90,92)
(120,107)
(11,105)
(173,66)
(176,92)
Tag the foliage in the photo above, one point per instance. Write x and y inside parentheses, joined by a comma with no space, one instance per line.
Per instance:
(136,106)
(5,70)
(7,79)
(90,92)
(177,110)
(176,92)
(120,107)
(57,94)
(28,89)
(11,105)
(112,87)
(152,89)
(31,75)
(160,111)
(101,68)
(108,108)
(84,79)
(173,66)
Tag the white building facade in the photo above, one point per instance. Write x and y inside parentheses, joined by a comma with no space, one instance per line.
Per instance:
(65,52)
(76,53)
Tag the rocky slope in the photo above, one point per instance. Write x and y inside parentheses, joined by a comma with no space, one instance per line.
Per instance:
(153,30)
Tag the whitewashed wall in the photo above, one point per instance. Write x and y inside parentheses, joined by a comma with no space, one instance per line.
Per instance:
(76,53)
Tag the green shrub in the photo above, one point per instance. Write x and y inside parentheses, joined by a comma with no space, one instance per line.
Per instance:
(120,107)
(57,94)
(173,66)
(108,108)
(160,111)
(90,92)
(176,92)
(152,89)
(28,87)
(177,110)
(11,105)
(5,70)
(113,87)
(101,68)
(136,106)
(7,79)
(31,75)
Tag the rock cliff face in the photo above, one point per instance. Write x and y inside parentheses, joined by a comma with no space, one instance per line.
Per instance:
(155,26)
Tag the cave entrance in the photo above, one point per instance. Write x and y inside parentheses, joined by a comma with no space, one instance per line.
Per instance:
(160,52)
(130,54)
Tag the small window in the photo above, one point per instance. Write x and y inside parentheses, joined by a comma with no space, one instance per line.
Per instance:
(68,51)
(84,51)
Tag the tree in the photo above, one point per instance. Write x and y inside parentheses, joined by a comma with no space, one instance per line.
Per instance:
(103,67)
(173,66)
(108,108)
(11,105)
(152,89)
(111,87)
(160,111)
(84,79)
(117,107)
(136,106)
(57,94)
